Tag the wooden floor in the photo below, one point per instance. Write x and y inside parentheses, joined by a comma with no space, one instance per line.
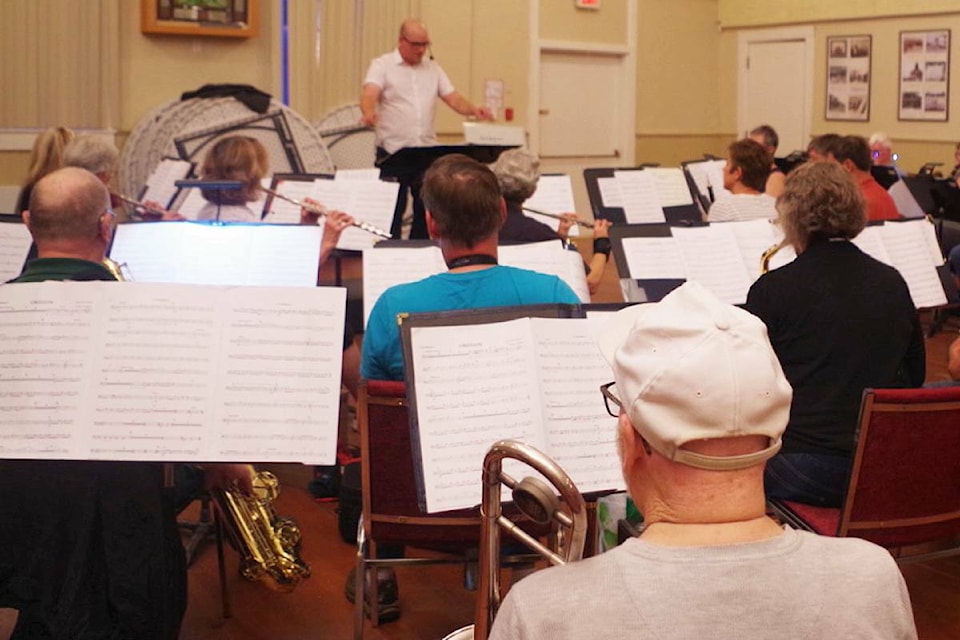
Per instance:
(434,601)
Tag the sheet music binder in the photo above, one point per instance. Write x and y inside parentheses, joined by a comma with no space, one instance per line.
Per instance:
(648,290)
(617,215)
(458,317)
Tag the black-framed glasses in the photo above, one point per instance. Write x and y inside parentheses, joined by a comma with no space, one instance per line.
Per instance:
(412,43)
(609,390)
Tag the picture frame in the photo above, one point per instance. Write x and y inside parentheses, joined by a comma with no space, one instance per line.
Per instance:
(924,76)
(212,18)
(848,78)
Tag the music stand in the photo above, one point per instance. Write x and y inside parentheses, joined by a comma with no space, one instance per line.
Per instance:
(885,175)
(210,185)
(407,167)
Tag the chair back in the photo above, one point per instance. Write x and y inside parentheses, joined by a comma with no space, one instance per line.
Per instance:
(905,481)
(391,511)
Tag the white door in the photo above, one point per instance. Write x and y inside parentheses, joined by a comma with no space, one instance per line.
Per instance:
(581,95)
(776,87)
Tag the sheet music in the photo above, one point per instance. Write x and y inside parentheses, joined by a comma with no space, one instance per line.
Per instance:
(161,187)
(715,178)
(357,174)
(907,205)
(707,175)
(221,254)
(551,258)
(580,435)
(671,186)
(283,212)
(870,242)
(929,235)
(139,371)
(641,202)
(45,367)
(15,240)
(908,250)
(753,238)
(554,194)
(370,201)
(385,267)
(475,384)
(653,258)
(610,192)
(713,259)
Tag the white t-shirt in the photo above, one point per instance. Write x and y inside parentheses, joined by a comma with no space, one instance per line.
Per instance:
(743,206)
(408,100)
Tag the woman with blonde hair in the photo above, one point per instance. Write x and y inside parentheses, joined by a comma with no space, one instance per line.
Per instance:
(46,157)
(235,158)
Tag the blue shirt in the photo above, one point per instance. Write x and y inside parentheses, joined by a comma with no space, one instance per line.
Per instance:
(497,286)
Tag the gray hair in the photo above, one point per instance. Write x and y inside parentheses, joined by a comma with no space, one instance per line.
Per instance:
(881,139)
(820,201)
(66,205)
(517,171)
(93,154)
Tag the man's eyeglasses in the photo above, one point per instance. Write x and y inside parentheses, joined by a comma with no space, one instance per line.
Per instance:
(425,43)
(609,390)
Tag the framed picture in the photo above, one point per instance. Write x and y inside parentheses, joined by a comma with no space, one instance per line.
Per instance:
(924,75)
(848,78)
(218,18)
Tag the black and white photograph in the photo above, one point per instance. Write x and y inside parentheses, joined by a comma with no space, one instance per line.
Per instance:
(924,75)
(848,78)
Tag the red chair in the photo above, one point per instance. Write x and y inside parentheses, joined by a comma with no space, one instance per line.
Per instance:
(904,491)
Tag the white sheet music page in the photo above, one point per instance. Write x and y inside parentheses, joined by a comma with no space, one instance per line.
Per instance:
(283,212)
(907,205)
(358,174)
(929,234)
(551,258)
(155,365)
(580,434)
(15,242)
(554,194)
(907,248)
(219,254)
(641,202)
(714,170)
(278,378)
(753,237)
(161,185)
(45,367)
(671,186)
(384,267)
(713,259)
(369,201)
(475,384)
(610,192)
(653,258)
(870,242)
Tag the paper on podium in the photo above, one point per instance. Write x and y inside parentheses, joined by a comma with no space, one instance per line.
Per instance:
(154,372)
(219,254)
(476,384)
(15,240)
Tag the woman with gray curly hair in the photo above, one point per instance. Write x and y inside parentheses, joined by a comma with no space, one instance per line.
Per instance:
(840,321)
(518,171)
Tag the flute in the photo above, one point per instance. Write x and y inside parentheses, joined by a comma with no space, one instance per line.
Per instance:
(322,211)
(139,205)
(582,223)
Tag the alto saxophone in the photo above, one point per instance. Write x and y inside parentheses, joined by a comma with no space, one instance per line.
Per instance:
(768,255)
(269,545)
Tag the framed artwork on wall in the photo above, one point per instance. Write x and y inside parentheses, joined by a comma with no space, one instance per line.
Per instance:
(848,78)
(217,18)
(924,75)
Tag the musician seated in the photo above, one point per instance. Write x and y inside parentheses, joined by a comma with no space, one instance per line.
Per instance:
(881,152)
(464,214)
(745,176)
(769,140)
(853,154)
(90,549)
(702,403)
(45,157)
(821,147)
(840,322)
(518,171)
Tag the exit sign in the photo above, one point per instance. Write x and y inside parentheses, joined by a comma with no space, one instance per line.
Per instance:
(588,4)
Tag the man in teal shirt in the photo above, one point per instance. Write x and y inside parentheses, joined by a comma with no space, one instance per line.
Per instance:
(464,214)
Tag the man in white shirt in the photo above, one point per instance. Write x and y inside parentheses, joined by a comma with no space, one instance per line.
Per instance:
(398,99)
(745,176)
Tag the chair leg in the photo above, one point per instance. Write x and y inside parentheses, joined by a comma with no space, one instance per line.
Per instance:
(221,567)
(359,576)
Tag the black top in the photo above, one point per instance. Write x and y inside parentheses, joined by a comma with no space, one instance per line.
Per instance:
(521,228)
(89,549)
(840,322)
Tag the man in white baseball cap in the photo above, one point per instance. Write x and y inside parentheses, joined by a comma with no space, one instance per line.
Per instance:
(702,403)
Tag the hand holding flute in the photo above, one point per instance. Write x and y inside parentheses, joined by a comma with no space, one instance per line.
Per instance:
(148,210)
(312,210)
(572,217)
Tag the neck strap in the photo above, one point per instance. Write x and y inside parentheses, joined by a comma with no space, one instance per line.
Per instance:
(470,260)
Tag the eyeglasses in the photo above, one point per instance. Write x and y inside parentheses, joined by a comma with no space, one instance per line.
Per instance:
(425,43)
(608,391)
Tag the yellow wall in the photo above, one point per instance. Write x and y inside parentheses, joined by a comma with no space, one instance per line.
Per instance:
(742,13)
(564,21)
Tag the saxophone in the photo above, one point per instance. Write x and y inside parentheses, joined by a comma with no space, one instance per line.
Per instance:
(268,544)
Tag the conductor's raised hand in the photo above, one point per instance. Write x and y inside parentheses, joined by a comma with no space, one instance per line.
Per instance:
(482,113)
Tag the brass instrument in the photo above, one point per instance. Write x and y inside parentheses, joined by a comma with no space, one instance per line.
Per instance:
(268,544)
(115,268)
(369,228)
(768,255)
(557,216)
(536,500)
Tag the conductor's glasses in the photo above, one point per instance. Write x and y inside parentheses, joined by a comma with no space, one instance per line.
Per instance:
(609,391)
(425,43)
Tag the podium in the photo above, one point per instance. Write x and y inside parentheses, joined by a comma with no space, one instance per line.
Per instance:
(407,167)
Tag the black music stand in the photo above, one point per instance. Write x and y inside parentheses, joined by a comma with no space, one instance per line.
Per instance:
(407,167)
(210,185)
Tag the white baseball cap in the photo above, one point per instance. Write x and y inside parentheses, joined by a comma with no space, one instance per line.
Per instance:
(691,367)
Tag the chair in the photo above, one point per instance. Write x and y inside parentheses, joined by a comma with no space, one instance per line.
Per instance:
(904,490)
